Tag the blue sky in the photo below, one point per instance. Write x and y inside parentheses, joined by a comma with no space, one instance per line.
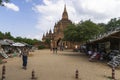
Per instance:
(33,18)
(21,22)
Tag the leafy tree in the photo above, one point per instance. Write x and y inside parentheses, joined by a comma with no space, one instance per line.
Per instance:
(1,1)
(47,41)
(102,27)
(83,31)
(26,40)
(41,47)
(70,33)
(18,39)
(88,30)
(112,24)
(7,35)
(1,35)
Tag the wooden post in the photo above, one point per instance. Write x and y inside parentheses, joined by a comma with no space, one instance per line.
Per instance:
(3,72)
(113,73)
(76,74)
(33,75)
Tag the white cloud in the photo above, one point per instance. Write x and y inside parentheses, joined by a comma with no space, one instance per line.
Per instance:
(11,6)
(49,13)
(96,10)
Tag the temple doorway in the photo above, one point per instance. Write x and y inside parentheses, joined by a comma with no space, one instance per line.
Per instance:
(60,44)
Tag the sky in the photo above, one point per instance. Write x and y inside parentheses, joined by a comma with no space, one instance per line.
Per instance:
(33,18)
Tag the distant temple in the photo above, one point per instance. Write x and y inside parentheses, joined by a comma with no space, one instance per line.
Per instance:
(58,32)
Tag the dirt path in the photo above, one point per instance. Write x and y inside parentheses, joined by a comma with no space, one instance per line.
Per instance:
(61,66)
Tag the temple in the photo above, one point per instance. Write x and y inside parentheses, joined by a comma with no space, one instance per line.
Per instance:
(58,32)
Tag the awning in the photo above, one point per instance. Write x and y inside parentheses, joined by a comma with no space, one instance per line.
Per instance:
(18,44)
(4,42)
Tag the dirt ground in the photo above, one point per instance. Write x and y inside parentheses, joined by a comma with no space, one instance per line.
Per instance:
(60,66)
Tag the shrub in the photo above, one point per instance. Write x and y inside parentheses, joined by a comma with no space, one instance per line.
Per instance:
(41,47)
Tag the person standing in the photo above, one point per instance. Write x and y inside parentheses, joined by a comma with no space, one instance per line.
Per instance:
(56,50)
(53,49)
(24,54)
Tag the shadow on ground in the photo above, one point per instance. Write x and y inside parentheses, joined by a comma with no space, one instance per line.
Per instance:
(75,54)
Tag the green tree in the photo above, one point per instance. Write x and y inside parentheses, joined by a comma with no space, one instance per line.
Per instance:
(1,35)
(88,30)
(27,40)
(112,24)
(1,1)
(8,35)
(102,27)
(47,41)
(83,31)
(70,33)
(18,39)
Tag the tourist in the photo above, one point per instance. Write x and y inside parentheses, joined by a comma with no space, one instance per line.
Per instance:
(53,50)
(56,49)
(66,47)
(62,47)
(93,56)
(90,52)
(24,54)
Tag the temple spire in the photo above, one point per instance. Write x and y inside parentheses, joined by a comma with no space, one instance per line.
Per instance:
(50,32)
(65,8)
(65,14)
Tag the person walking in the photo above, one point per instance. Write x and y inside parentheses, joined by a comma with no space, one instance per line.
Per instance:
(56,50)
(53,49)
(24,54)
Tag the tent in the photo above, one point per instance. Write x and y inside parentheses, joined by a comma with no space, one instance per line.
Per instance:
(17,44)
(2,42)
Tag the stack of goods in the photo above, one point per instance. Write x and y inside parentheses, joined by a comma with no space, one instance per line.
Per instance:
(115,62)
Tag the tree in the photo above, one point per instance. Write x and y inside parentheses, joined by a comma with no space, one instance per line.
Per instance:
(88,30)
(47,41)
(112,24)
(7,35)
(83,31)
(103,27)
(1,35)
(27,40)
(1,1)
(18,39)
(70,33)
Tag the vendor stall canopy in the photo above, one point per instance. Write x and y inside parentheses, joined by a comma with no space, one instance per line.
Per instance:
(18,44)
